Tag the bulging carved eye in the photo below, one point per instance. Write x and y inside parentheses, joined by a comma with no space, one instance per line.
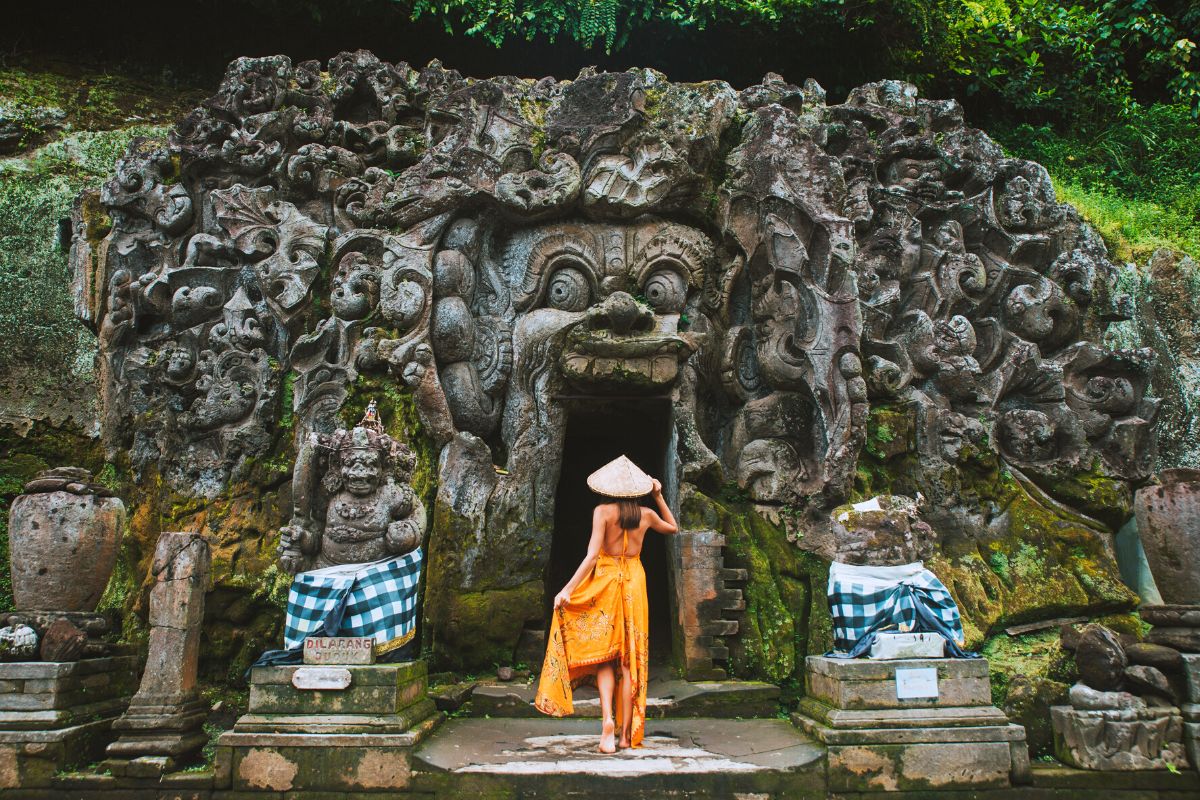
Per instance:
(666,291)
(569,290)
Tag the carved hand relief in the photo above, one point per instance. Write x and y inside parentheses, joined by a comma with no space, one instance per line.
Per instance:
(489,245)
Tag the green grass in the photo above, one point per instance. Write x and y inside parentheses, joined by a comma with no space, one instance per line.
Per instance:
(1136,179)
(1131,228)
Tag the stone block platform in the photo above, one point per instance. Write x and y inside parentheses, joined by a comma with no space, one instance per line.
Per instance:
(359,737)
(58,714)
(880,742)
(665,697)
(534,758)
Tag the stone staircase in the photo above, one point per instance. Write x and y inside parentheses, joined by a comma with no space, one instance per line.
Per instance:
(665,697)
(556,758)
(708,600)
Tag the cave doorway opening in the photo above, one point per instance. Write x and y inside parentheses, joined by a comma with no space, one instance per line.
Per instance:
(597,431)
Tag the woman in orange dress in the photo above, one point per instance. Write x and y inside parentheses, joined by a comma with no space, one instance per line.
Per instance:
(600,617)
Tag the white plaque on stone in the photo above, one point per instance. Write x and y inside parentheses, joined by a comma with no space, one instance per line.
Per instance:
(916,683)
(355,650)
(908,645)
(321,678)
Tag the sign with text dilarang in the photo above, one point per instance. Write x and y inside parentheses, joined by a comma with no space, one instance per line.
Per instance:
(339,650)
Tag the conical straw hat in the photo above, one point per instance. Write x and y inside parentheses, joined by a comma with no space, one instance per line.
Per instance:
(620,478)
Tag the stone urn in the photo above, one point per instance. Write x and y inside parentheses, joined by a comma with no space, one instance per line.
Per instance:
(1168,520)
(64,533)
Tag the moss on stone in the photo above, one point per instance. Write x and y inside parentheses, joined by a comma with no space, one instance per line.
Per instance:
(480,629)
(786,618)
(401,420)
(1030,673)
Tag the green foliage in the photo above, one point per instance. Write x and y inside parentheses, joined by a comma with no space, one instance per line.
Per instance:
(1135,178)
(1079,58)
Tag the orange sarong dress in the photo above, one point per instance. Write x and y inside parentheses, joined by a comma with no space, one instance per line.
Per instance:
(606,619)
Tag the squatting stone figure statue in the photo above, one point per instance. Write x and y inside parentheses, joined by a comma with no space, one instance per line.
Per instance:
(359,512)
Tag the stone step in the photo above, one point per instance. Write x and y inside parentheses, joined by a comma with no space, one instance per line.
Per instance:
(534,758)
(664,698)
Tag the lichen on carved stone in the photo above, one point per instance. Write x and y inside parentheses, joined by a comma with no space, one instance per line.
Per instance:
(774,265)
(368,514)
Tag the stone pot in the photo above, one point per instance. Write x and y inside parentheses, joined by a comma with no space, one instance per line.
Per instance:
(62,548)
(1168,520)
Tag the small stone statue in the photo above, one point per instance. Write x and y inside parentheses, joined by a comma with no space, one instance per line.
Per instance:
(18,643)
(1121,716)
(359,511)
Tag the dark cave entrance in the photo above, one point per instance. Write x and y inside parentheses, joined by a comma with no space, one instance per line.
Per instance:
(599,430)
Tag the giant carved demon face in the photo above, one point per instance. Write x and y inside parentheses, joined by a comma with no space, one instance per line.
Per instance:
(774,265)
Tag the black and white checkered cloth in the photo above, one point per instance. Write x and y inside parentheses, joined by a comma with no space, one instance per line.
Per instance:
(867,600)
(378,599)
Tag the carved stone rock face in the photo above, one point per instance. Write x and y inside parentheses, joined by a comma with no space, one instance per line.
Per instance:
(779,269)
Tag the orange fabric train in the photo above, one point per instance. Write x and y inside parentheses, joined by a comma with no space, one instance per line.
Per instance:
(607,618)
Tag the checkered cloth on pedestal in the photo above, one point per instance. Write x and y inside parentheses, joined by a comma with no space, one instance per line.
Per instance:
(866,600)
(378,599)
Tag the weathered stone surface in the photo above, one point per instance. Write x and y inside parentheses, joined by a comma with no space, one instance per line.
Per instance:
(484,247)
(858,684)
(321,678)
(908,645)
(319,762)
(1171,616)
(1122,739)
(880,532)
(1149,681)
(1191,674)
(359,478)
(1167,659)
(1168,518)
(1185,640)
(912,767)
(63,642)
(877,742)
(1100,658)
(339,650)
(18,643)
(63,547)
(1085,698)
(165,716)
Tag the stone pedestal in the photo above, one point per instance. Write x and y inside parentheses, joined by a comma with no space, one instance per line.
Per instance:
(58,714)
(879,742)
(359,737)
(166,715)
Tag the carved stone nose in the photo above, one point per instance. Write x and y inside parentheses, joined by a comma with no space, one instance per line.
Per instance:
(622,312)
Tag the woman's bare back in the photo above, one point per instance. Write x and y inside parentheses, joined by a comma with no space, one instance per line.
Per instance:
(614,537)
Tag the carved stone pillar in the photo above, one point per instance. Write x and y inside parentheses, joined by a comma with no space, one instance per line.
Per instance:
(165,716)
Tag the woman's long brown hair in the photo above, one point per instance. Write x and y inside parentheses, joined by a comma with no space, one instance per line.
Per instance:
(629,513)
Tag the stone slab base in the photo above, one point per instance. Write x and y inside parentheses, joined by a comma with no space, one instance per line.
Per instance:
(664,698)
(860,684)
(921,758)
(31,758)
(55,715)
(375,689)
(1119,739)
(39,695)
(879,742)
(535,758)
(314,762)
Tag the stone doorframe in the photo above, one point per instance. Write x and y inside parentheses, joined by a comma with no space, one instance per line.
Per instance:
(708,598)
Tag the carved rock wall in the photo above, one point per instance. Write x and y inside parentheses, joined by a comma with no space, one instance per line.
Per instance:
(840,300)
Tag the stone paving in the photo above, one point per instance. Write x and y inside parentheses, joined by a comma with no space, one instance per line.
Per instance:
(569,746)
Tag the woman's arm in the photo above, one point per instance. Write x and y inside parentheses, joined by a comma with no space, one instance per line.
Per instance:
(589,560)
(666,522)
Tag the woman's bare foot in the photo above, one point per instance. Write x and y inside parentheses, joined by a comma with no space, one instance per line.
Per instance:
(624,743)
(608,730)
